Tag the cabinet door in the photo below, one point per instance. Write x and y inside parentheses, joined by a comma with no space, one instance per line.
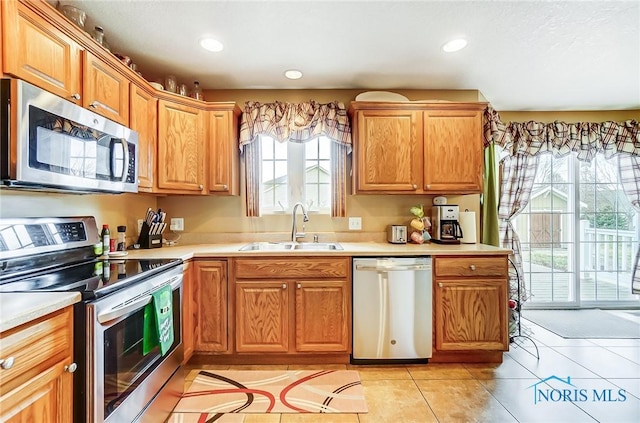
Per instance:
(38,386)
(453,156)
(181,151)
(106,91)
(143,119)
(262,316)
(224,159)
(387,147)
(188,311)
(210,298)
(38,53)
(471,315)
(322,316)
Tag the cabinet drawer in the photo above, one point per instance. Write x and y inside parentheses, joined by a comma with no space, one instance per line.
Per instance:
(292,268)
(35,347)
(471,266)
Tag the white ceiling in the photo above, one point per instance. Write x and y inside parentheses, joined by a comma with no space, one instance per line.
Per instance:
(534,55)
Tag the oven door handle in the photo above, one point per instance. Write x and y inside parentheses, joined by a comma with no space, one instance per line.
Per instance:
(122,310)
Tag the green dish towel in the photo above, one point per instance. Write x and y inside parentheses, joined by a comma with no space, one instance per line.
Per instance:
(158,321)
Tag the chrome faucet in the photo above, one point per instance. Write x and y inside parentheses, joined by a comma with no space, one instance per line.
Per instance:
(294,229)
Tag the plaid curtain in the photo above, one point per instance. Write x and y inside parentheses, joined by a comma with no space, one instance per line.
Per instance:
(518,174)
(629,168)
(299,122)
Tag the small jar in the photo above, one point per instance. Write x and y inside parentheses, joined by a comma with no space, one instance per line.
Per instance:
(121,245)
(197,91)
(98,35)
(171,84)
(183,90)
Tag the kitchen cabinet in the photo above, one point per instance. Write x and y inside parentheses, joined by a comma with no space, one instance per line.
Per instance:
(292,307)
(105,90)
(210,302)
(224,162)
(36,381)
(471,302)
(417,147)
(39,53)
(188,311)
(181,148)
(143,118)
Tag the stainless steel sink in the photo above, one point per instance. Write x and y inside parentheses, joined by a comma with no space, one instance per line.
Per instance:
(287,246)
(317,246)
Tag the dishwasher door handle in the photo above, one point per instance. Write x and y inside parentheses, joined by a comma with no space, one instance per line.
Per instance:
(393,268)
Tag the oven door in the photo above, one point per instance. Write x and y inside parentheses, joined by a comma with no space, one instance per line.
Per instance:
(122,379)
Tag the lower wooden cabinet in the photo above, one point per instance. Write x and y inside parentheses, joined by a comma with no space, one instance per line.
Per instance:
(210,302)
(300,306)
(38,385)
(188,311)
(470,303)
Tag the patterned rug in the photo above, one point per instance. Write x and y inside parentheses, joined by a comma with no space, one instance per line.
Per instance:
(216,392)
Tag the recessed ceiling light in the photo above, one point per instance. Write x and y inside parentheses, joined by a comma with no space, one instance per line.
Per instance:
(455,45)
(293,74)
(211,44)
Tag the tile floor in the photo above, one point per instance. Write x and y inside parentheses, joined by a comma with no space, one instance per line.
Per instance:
(605,374)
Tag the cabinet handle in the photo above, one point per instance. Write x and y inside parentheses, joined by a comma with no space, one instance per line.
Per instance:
(472,267)
(7,363)
(75,96)
(414,186)
(299,285)
(440,284)
(284,286)
(71,368)
(94,105)
(200,187)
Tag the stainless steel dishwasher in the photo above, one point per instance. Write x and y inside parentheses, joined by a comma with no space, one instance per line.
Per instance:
(392,302)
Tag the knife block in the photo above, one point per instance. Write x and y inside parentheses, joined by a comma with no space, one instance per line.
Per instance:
(146,240)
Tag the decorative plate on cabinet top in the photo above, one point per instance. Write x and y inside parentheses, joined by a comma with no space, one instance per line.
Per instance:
(380,96)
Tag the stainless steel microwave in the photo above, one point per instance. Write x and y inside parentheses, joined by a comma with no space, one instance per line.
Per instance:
(47,142)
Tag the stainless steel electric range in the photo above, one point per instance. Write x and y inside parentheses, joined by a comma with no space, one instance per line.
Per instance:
(115,380)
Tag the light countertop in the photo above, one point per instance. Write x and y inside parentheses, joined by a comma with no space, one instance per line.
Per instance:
(19,308)
(354,249)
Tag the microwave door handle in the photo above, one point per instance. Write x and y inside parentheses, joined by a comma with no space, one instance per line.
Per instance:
(125,158)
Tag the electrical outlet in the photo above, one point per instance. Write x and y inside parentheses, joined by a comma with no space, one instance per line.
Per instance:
(140,222)
(355,223)
(177,224)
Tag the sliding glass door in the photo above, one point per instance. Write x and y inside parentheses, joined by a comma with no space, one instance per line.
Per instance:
(579,234)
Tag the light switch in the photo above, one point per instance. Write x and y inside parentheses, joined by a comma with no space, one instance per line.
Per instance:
(177,224)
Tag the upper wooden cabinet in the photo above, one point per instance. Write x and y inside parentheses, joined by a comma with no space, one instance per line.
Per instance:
(224,161)
(182,148)
(143,118)
(417,147)
(39,384)
(36,51)
(105,90)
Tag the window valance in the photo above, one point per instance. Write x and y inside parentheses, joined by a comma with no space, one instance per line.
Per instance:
(297,122)
(560,138)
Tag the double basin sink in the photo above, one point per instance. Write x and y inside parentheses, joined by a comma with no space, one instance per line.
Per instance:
(291,246)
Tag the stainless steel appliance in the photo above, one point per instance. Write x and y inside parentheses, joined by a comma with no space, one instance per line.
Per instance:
(115,380)
(392,303)
(397,234)
(445,224)
(48,142)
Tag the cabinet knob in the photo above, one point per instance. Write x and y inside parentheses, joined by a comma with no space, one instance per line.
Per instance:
(472,267)
(440,284)
(414,186)
(299,285)
(71,368)
(75,96)
(7,363)
(427,186)
(284,286)
(225,187)
(200,187)
(94,105)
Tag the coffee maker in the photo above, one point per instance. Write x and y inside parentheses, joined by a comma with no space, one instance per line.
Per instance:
(445,226)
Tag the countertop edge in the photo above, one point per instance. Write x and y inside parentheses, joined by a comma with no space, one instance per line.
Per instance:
(22,307)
